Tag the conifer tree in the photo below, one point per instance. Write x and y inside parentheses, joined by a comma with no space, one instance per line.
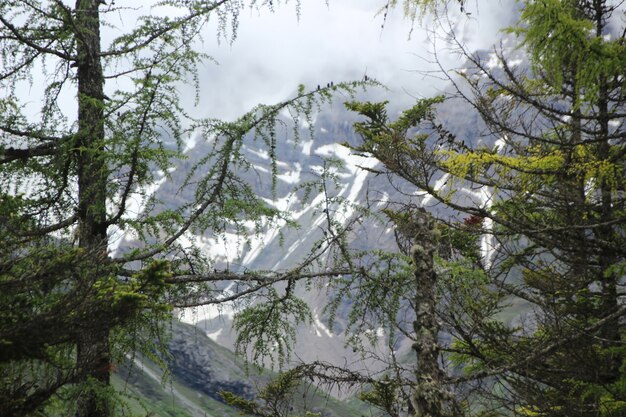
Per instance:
(554,214)
(71,307)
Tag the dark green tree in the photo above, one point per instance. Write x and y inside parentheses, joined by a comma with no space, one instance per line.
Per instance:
(553,213)
(70,306)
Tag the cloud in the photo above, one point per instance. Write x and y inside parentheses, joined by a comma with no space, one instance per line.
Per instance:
(343,40)
(339,41)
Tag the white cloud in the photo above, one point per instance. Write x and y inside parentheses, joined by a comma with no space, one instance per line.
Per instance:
(273,53)
(338,41)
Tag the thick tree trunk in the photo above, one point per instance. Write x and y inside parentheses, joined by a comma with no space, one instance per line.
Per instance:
(93,352)
(610,334)
(94,359)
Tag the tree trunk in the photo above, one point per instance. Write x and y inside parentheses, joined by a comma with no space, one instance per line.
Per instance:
(93,352)
(430,398)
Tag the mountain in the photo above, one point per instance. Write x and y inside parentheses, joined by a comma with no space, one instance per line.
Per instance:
(301,162)
(199,370)
(354,186)
(199,362)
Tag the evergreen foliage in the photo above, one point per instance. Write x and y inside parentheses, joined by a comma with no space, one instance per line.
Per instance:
(549,235)
(71,306)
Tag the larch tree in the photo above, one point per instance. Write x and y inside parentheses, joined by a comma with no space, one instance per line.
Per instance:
(529,282)
(71,307)
(553,214)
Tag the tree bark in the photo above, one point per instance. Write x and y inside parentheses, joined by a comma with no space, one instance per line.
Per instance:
(430,398)
(93,351)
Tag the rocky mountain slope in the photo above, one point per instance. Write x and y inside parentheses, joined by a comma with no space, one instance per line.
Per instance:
(198,363)
(355,187)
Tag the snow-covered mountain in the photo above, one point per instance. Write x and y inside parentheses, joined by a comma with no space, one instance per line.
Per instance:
(280,250)
(299,162)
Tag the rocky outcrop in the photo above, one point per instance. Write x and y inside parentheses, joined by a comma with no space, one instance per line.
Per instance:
(201,364)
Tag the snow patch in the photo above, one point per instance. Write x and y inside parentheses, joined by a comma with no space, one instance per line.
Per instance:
(135,204)
(227,246)
(352,162)
(487,245)
(320,328)
(306,147)
(493,62)
(258,243)
(282,204)
(191,143)
(439,184)
(291,177)
(261,153)
(380,332)
(384,199)
(261,169)
(214,335)
(499,145)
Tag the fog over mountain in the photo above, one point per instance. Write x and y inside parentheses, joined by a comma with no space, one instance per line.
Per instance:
(338,40)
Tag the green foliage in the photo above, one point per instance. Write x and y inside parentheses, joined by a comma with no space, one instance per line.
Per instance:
(575,44)
(378,130)
(276,399)
(461,239)
(383,394)
(536,320)
(71,186)
(377,297)
(268,329)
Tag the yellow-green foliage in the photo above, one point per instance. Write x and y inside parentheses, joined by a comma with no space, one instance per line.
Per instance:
(539,166)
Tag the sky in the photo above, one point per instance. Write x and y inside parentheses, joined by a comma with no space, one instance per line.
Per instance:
(339,41)
(330,40)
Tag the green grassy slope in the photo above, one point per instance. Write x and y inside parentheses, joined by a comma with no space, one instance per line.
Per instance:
(199,369)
